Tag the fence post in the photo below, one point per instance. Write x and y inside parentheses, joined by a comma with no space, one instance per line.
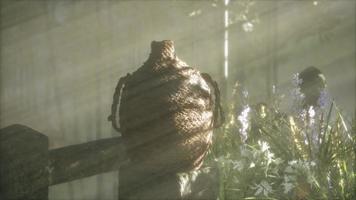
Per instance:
(23,163)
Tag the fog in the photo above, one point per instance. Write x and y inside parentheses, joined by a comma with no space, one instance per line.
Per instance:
(61,60)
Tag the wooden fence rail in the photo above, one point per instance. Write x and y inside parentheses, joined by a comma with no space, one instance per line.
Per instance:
(28,167)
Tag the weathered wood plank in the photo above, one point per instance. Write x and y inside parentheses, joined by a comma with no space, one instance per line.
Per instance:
(23,163)
(83,160)
(28,168)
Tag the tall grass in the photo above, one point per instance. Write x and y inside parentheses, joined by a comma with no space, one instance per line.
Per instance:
(263,153)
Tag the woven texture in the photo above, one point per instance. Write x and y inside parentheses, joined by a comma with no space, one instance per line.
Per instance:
(166,112)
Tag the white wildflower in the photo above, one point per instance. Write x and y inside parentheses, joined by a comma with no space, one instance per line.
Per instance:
(263,188)
(270,156)
(264,145)
(293,162)
(247,27)
(311,112)
(244,120)
(312,163)
(237,165)
(296,81)
(245,93)
(287,187)
(296,94)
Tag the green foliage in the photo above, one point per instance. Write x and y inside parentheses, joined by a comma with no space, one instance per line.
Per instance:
(272,155)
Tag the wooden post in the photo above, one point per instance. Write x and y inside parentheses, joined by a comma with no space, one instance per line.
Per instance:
(28,168)
(23,163)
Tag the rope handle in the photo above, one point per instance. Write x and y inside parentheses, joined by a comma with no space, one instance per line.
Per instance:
(116,101)
(218,111)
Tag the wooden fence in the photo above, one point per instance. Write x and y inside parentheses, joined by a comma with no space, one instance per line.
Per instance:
(28,167)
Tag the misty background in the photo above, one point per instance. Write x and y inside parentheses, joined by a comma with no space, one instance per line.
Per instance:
(61,60)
